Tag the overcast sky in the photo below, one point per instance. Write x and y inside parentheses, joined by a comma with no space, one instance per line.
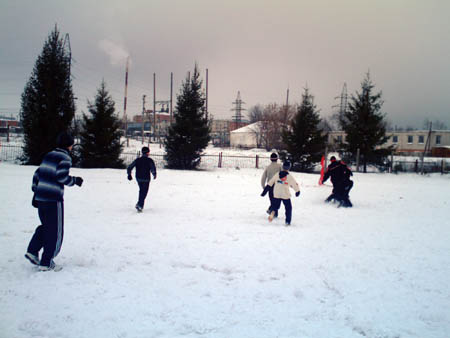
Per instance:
(257,47)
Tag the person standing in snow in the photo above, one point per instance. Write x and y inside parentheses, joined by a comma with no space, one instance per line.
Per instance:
(340,178)
(281,184)
(144,166)
(48,187)
(271,170)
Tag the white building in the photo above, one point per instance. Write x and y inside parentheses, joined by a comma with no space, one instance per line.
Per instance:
(246,137)
(404,142)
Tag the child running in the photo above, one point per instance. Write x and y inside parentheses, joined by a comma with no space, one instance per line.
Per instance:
(281,184)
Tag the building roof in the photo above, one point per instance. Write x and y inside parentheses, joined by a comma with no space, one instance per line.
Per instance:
(251,128)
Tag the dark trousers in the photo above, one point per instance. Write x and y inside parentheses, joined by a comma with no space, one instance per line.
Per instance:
(287,205)
(143,191)
(271,198)
(341,191)
(49,235)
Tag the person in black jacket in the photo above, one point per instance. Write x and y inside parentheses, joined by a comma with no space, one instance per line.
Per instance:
(340,178)
(144,166)
(48,187)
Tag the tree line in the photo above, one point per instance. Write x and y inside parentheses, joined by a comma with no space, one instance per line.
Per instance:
(297,132)
(302,133)
(48,108)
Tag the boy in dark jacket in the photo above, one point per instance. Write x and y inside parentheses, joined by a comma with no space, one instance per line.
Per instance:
(48,187)
(340,178)
(144,166)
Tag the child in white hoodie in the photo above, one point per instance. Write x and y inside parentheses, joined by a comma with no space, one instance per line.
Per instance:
(281,184)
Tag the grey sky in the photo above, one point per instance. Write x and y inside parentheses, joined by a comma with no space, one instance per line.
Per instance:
(255,46)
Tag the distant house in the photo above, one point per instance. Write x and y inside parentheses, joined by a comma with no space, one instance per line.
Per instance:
(246,137)
(405,142)
(6,122)
(220,130)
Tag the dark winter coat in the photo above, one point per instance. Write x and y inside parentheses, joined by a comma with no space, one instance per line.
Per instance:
(338,172)
(52,175)
(144,166)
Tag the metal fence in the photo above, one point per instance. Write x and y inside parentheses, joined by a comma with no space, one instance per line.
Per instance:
(10,153)
(210,161)
(439,165)
(13,153)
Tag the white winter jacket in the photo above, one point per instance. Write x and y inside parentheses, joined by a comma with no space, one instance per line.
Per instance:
(282,185)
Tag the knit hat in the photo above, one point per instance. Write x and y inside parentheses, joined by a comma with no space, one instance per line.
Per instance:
(273,157)
(332,158)
(145,150)
(64,140)
(286,165)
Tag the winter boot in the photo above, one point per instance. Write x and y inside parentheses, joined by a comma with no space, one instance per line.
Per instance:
(51,267)
(271,216)
(32,258)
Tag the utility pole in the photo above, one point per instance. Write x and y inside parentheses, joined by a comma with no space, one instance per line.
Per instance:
(143,112)
(206,101)
(125,103)
(287,98)
(154,105)
(171,96)
(427,148)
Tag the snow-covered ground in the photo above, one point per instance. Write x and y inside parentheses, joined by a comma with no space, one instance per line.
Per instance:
(203,261)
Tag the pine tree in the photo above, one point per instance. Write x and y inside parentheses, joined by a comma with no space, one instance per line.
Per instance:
(47,105)
(189,135)
(100,145)
(364,125)
(305,141)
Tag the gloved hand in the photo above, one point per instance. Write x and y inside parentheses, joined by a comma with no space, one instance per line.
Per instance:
(266,190)
(34,202)
(130,177)
(78,181)
(154,177)
(297,194)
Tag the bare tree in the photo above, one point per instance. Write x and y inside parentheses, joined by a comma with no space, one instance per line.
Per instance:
(436,124)
(256,113)
(275,120)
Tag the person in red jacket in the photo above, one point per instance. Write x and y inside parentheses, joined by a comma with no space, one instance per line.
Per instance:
(340,178)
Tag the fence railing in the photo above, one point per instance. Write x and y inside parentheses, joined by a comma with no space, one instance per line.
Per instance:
(13,153)
(10,153)
(210,161)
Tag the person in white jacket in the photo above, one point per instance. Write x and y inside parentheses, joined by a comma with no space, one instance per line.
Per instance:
(281,184)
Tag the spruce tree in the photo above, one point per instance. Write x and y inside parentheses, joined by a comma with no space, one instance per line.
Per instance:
(100,145)
(190,133)
(364,125)
(305,140)
(47,105)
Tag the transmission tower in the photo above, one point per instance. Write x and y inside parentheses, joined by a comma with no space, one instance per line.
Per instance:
(343,100)
(238,108)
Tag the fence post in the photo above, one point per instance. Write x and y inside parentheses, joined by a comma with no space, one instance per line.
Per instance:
(220,160)
(357,160)
(257,161)
(442,167)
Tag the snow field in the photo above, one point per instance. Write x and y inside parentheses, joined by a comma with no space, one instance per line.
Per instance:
(203,261)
